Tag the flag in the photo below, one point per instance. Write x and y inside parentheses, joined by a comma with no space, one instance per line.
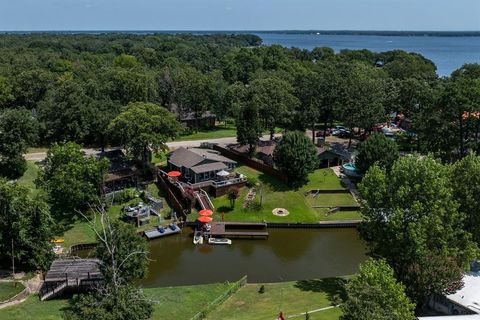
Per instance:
(280,317)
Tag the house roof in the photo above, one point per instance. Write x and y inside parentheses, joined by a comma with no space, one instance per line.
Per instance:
(211,155)
(214,166)
(183,157)
(190,158)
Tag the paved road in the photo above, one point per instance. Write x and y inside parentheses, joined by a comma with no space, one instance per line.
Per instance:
(39,156)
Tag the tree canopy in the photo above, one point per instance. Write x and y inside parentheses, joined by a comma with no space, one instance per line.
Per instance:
(410,214)
(296,156)
(377,149)
(375,294)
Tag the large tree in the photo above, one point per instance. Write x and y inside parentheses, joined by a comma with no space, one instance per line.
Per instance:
(249,127)
(376,149)
(275,100)
(296,156)
(71,179)
(375,294)
(410,214)
(465,176)
(25,228)
(18,131)
(144,127)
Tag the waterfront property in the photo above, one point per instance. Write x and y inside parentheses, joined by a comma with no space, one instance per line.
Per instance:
(199,165)
(122,172)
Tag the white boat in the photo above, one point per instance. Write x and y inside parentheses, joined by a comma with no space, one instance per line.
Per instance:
(219,241)
(197,237)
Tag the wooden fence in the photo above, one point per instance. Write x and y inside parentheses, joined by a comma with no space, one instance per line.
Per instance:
(251,163)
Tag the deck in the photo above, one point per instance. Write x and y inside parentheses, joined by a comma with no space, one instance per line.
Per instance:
(221,230)
(70,273)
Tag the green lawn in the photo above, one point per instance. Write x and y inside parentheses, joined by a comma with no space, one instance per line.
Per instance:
(9,289)
(292,298)
(170,303)
(275,194)
(28,178)
(220,131)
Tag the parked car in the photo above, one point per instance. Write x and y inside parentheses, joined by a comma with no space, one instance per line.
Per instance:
(341,131)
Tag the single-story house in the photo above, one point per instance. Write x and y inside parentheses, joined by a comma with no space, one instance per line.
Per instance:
(197,165)
(205,120)
(263,151)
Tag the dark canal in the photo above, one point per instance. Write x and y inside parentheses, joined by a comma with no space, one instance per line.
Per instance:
(288,254)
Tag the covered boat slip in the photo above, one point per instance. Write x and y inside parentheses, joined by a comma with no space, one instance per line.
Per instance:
(224,230)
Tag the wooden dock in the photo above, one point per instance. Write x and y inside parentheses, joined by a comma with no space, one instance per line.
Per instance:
(221,230)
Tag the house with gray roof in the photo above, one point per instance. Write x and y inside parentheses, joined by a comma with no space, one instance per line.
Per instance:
(198,165)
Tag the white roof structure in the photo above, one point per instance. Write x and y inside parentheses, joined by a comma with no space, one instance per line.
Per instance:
(469,295)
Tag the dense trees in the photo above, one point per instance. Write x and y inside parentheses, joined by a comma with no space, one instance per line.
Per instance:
(410,218)
(144,127)
(296,156)
(18,130)
(376,149)
(71,180)
(25,228)
(374,294)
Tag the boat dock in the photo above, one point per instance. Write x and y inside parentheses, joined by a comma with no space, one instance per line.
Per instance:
(223,230)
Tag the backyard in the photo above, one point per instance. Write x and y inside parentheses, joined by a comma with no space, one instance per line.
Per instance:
(292,298)
(9,290)
(169,303)
(273,193)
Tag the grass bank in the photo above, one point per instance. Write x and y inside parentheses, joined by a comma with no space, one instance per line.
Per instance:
(29,177)
(292,298)
(273,193)
(9,290)
(180,303)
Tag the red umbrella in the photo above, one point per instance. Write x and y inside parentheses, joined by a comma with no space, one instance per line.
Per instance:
(174,174)
(205,212)
(205,219)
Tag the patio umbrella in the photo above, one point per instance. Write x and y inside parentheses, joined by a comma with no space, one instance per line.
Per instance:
(222,173)
(205,212)
(205,219)
(174,174)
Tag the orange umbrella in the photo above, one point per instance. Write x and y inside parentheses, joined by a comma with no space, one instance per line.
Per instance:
(174,174)
(205,212)
(205,219)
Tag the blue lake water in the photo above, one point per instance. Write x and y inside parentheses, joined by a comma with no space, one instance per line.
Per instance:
(448,53)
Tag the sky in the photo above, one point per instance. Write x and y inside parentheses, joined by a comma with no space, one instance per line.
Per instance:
(30,15)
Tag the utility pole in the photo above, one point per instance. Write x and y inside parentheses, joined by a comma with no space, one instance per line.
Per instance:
(13,261)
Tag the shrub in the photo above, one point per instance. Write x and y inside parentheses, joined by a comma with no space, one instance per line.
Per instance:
(252,181)
(262,289)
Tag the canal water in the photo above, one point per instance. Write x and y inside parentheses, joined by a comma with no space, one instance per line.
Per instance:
(288,254)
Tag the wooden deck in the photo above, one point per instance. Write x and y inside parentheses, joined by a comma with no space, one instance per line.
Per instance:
(70,274)
(220,230)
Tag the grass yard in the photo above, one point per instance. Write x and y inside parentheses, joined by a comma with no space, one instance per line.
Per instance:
(220,131)
(173,303)
(292,298)
(275,194)
(9,290)
(28,178)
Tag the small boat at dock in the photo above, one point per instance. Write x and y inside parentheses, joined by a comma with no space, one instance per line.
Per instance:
(197,237)
(219,241)
(161,231)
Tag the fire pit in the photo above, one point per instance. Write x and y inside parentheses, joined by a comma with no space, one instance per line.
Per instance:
(280,212)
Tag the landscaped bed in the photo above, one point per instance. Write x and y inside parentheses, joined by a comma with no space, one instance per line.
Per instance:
(9,290)
(273,193)
(292,298)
